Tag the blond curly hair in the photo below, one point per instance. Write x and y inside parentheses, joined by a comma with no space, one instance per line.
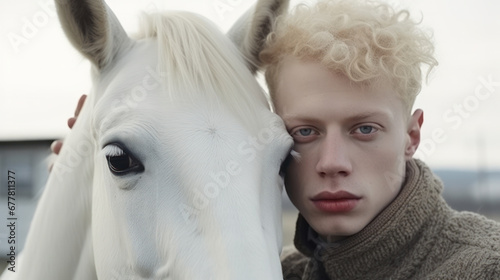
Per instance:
(365,41)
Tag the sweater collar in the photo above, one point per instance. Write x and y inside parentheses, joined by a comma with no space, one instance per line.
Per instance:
(395,227)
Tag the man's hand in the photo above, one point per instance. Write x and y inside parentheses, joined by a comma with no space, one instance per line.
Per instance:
(57,145)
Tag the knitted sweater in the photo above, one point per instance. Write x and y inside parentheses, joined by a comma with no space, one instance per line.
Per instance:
(417,236)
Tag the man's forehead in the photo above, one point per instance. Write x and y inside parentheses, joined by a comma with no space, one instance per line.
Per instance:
(348,115)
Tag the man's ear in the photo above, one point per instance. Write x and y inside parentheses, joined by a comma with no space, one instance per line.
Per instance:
(414,126)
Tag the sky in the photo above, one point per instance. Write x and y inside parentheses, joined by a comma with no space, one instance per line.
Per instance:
(42,76)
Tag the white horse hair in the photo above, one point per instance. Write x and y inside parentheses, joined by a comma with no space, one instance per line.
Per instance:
(172,169)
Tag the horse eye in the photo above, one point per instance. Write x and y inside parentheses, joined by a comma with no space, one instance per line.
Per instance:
(120,161)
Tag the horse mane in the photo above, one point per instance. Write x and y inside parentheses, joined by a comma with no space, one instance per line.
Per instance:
(197,58)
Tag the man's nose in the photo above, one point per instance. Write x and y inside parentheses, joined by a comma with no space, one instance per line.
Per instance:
(334,159)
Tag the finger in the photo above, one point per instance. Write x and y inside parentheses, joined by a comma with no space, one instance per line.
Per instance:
(56,146)
(71,122)
(80,104)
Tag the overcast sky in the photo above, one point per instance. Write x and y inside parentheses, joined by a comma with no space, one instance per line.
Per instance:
(42,76)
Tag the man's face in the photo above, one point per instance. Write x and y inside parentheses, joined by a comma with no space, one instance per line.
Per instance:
(352,143)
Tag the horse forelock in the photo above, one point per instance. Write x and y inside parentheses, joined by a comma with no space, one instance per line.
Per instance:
(198,60)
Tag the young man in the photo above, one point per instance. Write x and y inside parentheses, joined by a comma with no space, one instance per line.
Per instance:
(344,75)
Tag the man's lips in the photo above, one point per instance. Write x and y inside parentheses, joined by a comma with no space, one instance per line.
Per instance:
(335,196)
(335,202)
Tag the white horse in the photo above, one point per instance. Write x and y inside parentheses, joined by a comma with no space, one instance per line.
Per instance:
(172,169)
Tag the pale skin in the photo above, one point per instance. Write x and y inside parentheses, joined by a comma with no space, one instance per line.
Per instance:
(352,142)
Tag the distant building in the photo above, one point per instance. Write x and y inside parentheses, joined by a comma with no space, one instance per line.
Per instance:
(470,190)
(28,161)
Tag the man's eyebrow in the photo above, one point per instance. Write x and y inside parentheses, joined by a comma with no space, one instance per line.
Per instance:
(298,117)
(368,115)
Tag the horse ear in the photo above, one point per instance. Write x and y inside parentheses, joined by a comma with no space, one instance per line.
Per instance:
(92,28)
(251,29)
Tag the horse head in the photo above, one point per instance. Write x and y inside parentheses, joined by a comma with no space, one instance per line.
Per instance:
(172,169)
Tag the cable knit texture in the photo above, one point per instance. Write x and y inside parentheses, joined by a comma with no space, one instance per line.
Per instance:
(416,237)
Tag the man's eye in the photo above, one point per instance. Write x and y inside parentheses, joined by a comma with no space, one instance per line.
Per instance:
(304,131)
(304,135)
(121,162)
(366,129)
